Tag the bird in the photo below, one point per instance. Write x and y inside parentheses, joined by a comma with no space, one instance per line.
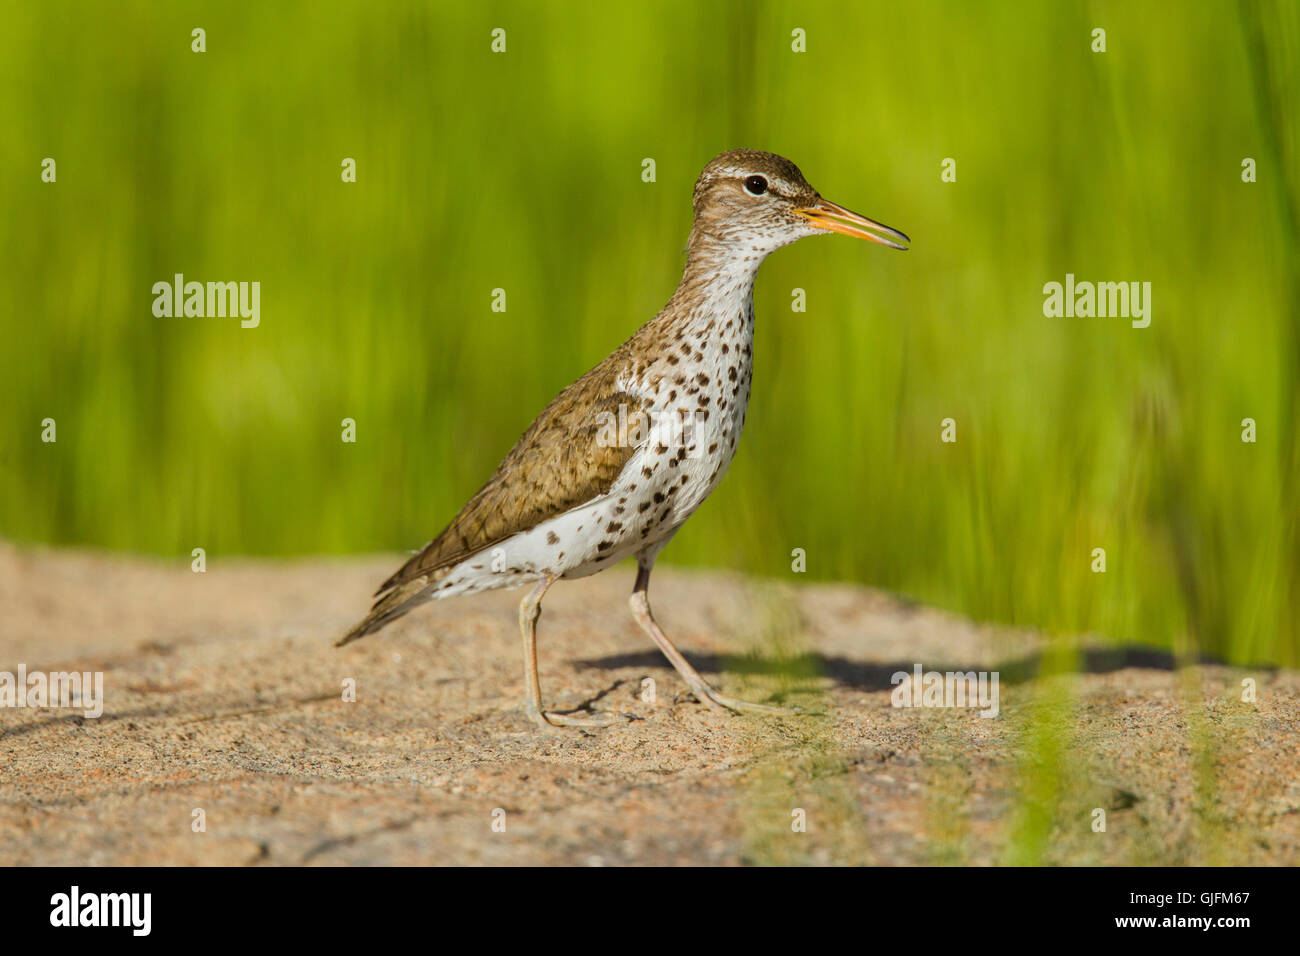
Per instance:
(620,459)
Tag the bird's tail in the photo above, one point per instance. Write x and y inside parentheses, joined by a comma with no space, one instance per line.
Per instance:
(390,606)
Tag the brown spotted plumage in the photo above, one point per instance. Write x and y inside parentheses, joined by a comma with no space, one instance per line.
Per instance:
(623,456)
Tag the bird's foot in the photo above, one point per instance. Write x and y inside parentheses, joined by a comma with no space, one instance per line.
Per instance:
(719,701)
(601,718)
(552,721)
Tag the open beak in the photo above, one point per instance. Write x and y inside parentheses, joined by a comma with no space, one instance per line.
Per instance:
(827,215)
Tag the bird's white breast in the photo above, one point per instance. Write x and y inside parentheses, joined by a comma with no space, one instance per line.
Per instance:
(695,385)
(700,386)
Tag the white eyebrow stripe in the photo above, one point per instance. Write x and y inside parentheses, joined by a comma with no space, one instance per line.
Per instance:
(740,172)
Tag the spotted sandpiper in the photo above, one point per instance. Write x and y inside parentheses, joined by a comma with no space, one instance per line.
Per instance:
(623,456)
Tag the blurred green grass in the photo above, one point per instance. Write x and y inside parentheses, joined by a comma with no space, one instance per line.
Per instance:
(522,171)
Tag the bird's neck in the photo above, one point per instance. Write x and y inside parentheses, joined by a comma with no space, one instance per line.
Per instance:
(717,283)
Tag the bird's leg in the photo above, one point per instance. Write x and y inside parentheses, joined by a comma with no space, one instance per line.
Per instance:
(530,609)
(640,604)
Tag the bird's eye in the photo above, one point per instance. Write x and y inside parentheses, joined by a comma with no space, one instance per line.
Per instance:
(756,185)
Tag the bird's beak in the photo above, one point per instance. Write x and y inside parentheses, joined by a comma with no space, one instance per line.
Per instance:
(827,215)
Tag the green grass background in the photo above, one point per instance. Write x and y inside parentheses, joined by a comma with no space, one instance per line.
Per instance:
(522,171)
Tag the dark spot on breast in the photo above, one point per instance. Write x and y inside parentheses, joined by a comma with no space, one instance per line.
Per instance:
(604,545)
(731,373)
(643,506)
(713,448)
(702,379)
(613,526)
(552,538)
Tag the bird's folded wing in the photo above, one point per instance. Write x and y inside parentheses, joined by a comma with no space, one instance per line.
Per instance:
(570,455)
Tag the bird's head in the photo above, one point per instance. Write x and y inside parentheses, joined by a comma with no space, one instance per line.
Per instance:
(760,201)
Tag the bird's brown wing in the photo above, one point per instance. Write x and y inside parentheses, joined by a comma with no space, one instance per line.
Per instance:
(560,462)
(563,460)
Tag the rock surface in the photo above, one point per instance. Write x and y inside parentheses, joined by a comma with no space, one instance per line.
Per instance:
(224,694)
